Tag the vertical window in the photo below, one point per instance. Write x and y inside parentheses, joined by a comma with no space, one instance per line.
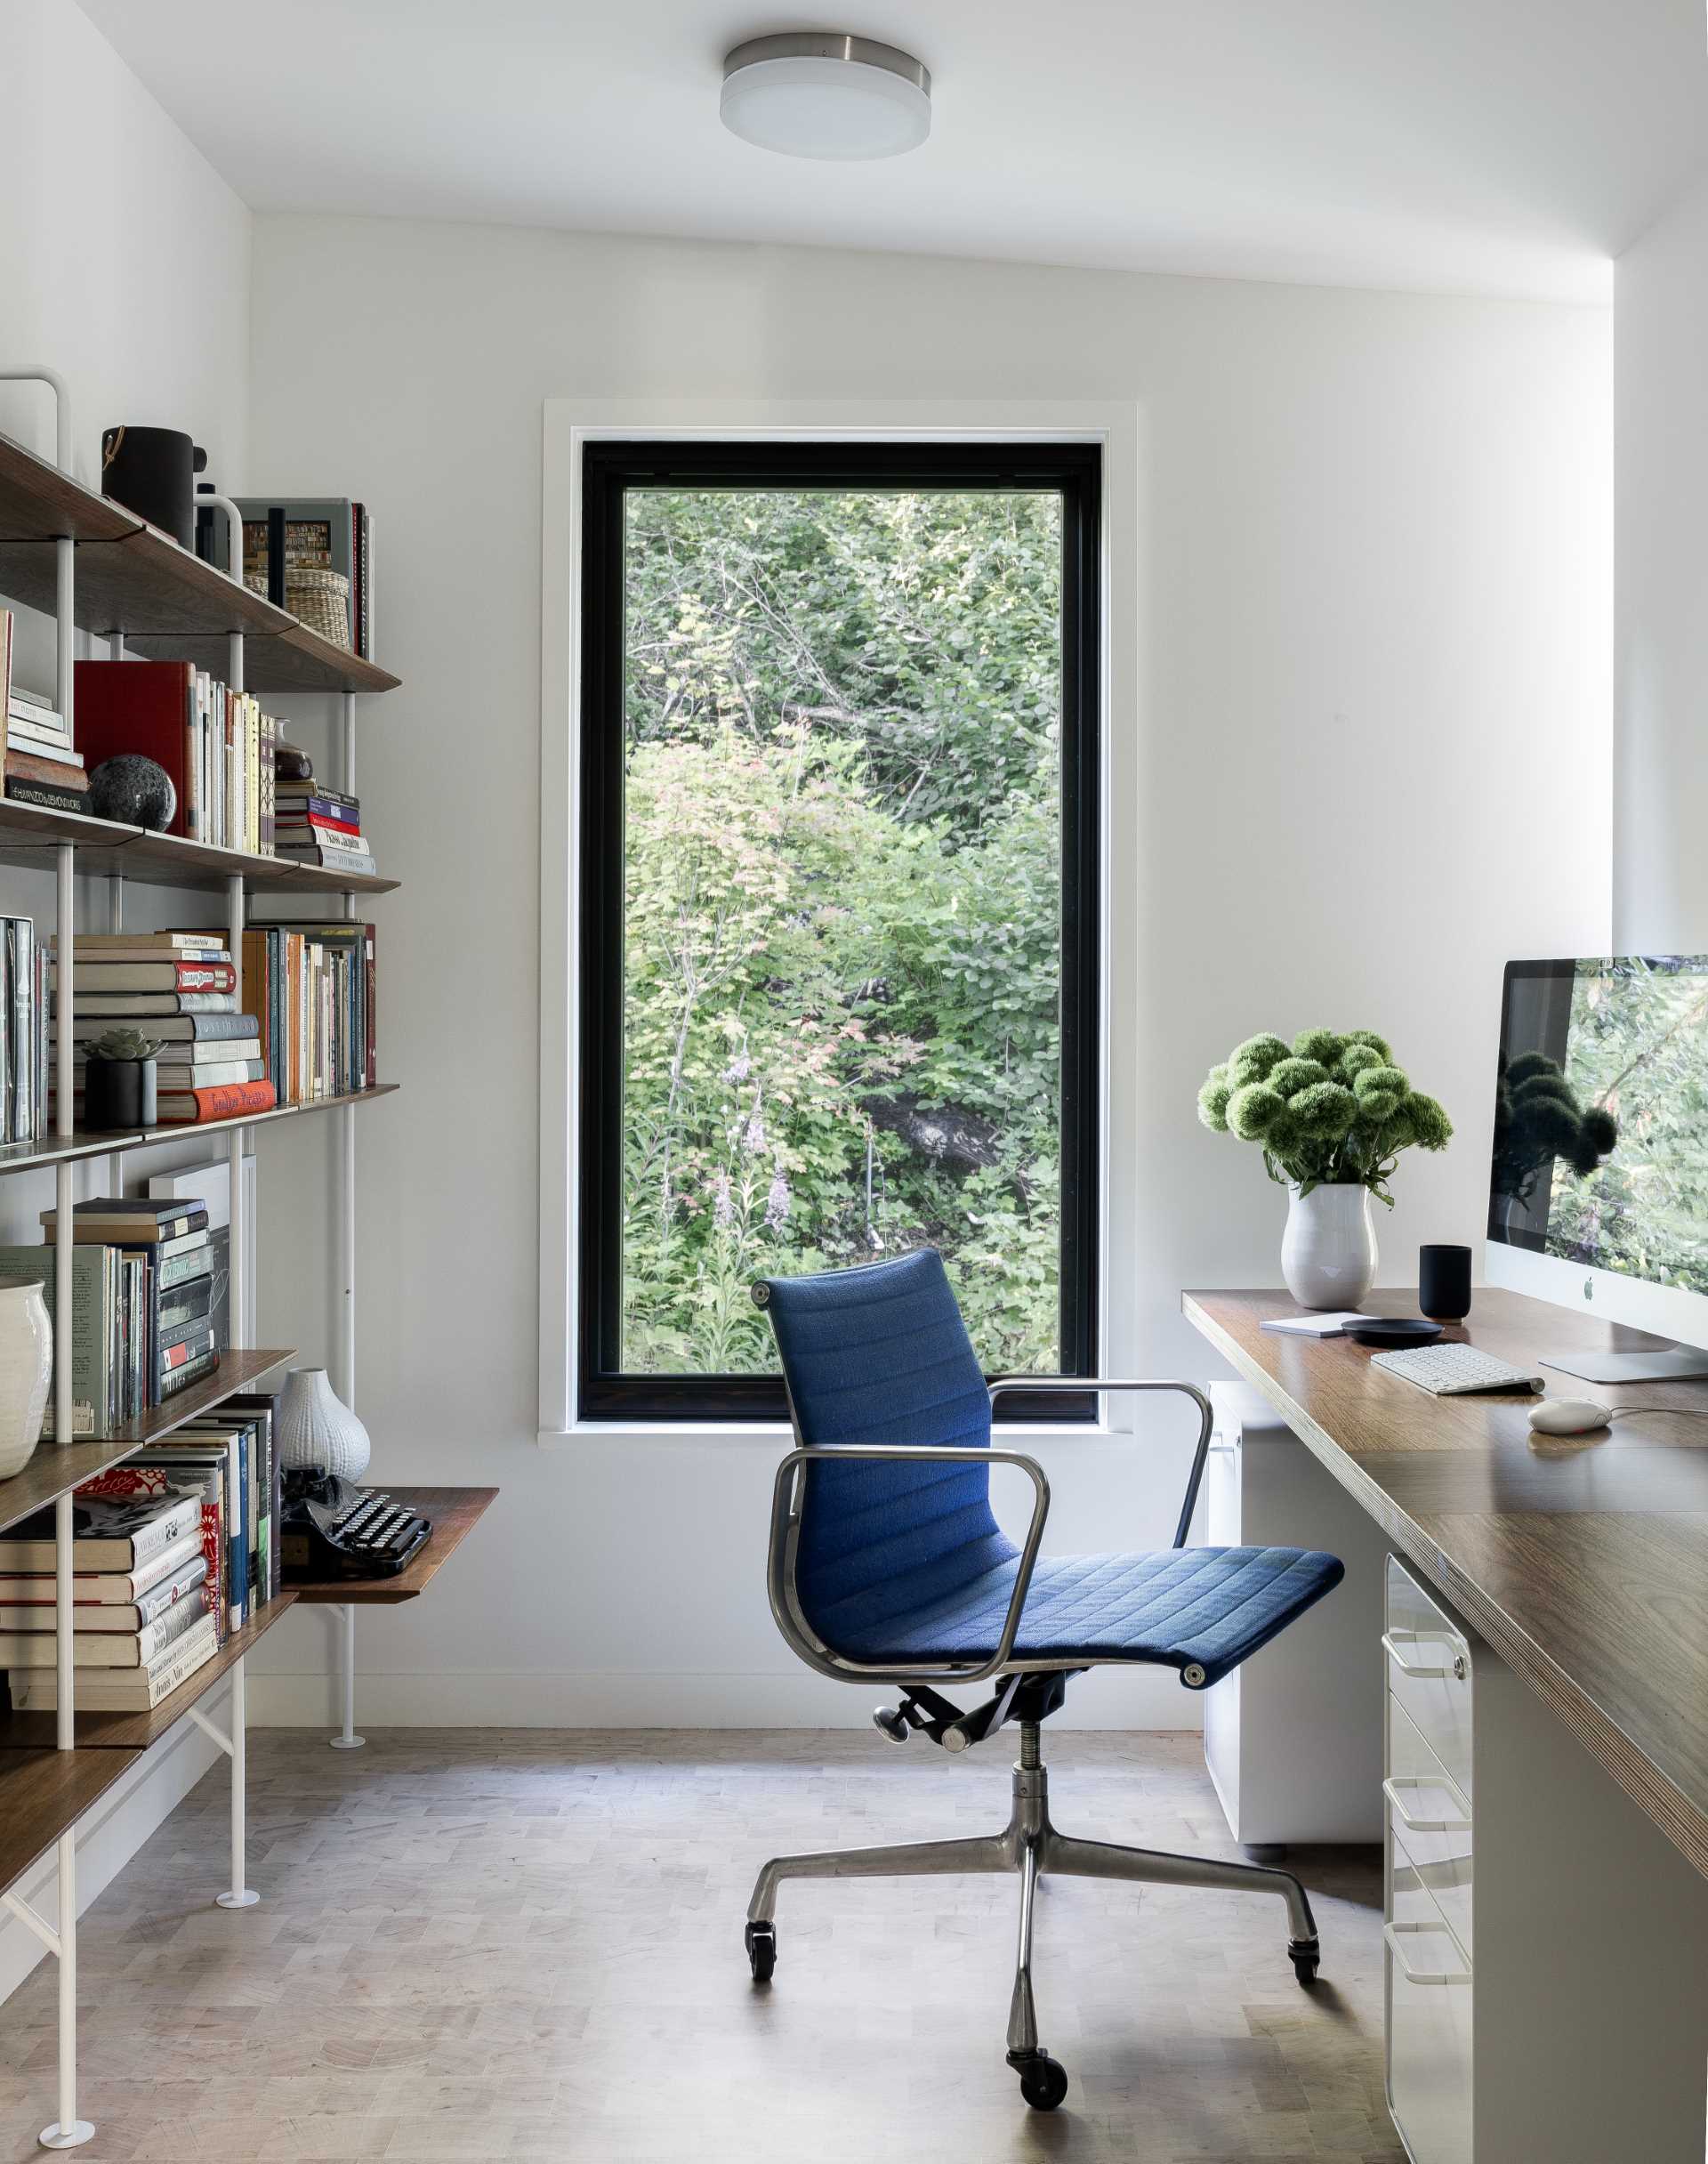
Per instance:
(839,909)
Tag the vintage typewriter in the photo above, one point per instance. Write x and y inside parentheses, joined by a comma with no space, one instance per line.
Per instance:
(332,1529)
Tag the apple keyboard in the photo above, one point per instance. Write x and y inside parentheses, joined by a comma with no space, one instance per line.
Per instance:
(1455,1370)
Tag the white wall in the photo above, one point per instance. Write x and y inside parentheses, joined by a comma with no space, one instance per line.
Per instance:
(1374,624)
(125,264)
(1661,745)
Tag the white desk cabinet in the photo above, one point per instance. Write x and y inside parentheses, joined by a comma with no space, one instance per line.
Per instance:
(1293,1739)
(1546,1948)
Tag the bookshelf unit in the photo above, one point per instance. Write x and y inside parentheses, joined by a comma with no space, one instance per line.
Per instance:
(95,566)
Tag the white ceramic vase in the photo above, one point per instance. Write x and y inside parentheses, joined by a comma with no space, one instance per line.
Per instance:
(1328,1251)
(316,1428)
(25,1371)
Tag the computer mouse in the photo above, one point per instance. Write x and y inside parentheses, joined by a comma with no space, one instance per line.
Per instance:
(1567,1416)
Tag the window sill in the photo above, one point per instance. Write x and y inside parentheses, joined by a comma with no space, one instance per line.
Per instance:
(724,1434)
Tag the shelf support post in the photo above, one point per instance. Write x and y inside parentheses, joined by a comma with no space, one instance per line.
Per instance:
(239,1135)
(68,2131)
(347,1739)
(234,1743)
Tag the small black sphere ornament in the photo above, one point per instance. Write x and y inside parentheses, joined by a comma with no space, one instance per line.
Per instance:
(138,792)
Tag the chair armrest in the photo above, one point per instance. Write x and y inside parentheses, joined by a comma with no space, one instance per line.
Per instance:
(780,1568)
(1070,1385)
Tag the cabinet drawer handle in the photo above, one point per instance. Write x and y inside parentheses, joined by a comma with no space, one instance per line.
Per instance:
(1393,1935)
(1394,1791)
(1422,1672)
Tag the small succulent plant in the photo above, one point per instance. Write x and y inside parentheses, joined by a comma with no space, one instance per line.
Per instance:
(1328,1108)
(122,1044)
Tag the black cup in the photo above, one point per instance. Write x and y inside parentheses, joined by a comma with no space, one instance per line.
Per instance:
(1444,1283)
(152,472)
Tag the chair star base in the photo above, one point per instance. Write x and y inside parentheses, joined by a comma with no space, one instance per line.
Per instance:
(1030,1846)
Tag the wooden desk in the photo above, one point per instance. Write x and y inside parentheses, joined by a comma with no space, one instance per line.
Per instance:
(455,1513)
(1583,1561)
(1576,1571)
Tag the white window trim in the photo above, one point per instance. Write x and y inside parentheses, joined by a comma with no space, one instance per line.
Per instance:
(568,424)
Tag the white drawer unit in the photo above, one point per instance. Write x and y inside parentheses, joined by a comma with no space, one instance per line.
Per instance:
(1517,1873)
(1429,1672)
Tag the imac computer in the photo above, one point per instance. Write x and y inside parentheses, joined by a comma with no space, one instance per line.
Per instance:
(1598,1180)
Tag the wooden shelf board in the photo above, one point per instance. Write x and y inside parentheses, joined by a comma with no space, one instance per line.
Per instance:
(108,1735)
(43,1792)
(455,1513)
(32,1156)
(169,604)
(295,659)
(56,1469)
(29,831)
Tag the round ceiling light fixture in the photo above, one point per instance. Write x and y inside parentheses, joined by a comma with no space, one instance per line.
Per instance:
(819,93)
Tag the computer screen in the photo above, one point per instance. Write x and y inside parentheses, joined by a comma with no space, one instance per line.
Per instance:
(1600,1152)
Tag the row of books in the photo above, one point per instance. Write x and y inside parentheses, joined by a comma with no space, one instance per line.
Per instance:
(216,743)
(319,825)
(173,1551)
(312,987)
(24,1031)
(41,765)
(178,989)
(143,1297)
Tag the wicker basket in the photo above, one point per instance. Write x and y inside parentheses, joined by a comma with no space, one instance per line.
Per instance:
(321,599)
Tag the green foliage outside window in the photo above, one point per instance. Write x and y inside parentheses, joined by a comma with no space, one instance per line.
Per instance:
(842,930)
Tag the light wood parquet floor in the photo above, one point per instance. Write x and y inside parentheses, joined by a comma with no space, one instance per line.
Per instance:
(491,1944)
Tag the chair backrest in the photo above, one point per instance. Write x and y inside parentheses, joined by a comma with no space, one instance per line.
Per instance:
(880,1355)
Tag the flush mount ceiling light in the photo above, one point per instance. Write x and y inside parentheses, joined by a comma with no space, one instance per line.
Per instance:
(818,94)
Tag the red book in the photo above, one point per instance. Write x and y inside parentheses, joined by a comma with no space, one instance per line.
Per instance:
(336,826)
(143,707)
(186,1108)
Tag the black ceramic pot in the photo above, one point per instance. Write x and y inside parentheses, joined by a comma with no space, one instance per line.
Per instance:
(152,472)
(118,1094)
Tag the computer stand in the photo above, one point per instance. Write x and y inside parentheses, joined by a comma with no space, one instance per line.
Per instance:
(1662,1363)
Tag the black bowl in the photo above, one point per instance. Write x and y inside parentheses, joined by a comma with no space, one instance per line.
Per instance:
(1395,1330)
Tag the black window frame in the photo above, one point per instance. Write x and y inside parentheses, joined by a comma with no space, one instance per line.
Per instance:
(610,468)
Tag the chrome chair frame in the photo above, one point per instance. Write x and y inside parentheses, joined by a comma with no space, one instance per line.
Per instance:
(1029,1844)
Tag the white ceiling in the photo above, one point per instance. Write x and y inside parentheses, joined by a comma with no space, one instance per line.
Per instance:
(1472,145)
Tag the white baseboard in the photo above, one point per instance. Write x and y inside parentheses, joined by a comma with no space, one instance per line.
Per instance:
(107,1837)
(622,1697)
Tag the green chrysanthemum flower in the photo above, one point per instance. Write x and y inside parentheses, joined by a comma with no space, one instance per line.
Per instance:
(1290,1076)
(1251,1111)
(1325,1109)
(1375,1105)
(1355,1058)
(1378,1045)
(1373,1081)
(1213,1099)
(1252,1061)
(1324,1045)
(1430,1126)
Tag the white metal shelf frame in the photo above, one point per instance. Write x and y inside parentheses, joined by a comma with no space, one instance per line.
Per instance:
(68,2131)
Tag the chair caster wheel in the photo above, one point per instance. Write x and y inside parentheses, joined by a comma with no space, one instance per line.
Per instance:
(1044,2081)
(1305,1956)
(762,1950)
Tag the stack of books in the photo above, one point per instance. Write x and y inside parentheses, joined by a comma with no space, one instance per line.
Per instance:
(312,986)
(179,988)
(143,1619)
(216,743)
(41,766)
(142,1300)
(314,824)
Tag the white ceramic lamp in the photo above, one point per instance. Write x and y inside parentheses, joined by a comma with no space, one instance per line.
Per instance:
(316,1428)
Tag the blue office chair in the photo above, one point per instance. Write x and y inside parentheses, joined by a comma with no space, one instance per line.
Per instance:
(886,1565)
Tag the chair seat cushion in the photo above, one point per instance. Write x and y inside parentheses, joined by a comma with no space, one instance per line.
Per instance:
(1207,1609)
